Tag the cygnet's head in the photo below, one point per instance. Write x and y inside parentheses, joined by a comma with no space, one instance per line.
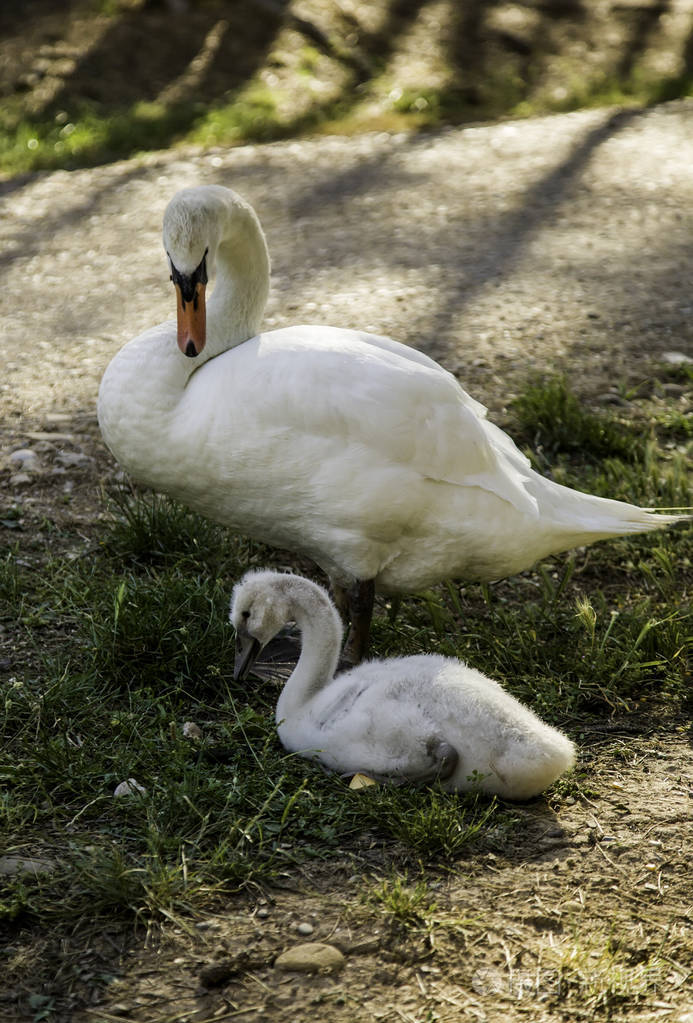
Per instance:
(260,604)
(260,607)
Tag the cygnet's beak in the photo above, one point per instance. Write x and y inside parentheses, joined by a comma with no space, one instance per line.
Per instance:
(190,308)
(247,650)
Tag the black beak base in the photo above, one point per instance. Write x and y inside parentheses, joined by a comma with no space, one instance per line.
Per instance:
(188,282)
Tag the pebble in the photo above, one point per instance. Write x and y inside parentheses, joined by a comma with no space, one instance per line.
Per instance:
(311,958)
(305,929)
(574,905)
(72,459)
(676,358)
(26,459)
(11,865)
(20,479)
(130,787)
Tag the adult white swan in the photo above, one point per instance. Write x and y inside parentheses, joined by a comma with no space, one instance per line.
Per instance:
(413,719)
(361,453)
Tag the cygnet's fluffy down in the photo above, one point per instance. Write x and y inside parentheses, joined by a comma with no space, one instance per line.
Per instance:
(414,719)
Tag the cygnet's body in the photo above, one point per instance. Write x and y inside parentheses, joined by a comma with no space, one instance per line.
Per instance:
(414,719)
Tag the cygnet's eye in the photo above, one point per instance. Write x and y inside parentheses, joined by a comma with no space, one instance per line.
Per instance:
(245,615)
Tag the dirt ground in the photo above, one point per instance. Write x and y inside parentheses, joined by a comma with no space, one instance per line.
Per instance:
(561,242)
(591,909)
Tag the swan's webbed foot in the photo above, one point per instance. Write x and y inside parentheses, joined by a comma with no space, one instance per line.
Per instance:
(359,600)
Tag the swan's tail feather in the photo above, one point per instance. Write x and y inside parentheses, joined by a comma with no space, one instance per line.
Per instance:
(590,518)
(646,519)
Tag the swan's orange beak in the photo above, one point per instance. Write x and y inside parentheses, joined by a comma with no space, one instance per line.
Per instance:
(192,320)
(190,306)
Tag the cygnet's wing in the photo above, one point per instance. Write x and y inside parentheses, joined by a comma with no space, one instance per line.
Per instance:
(376,720)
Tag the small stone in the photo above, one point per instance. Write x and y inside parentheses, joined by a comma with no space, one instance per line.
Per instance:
(676,358)
(191,731)
(130,787)
(11,865)
(574,905)
(305,929)
(25,459)
(73,459)
(262,912)
(313,957)
(20,479)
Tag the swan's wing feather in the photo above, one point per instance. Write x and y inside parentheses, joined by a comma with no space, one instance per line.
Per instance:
(378,394)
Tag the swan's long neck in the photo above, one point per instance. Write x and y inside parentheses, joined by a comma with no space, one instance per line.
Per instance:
(237,303)
(321,640)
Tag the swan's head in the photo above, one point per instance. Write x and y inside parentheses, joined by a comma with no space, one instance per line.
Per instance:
(261,605)
(191,237)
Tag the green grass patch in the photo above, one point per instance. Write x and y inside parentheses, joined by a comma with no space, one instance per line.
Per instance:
(91,136)
(550,417)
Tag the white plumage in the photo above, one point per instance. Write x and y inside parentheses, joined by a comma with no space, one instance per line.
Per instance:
(406,718)
(351,449)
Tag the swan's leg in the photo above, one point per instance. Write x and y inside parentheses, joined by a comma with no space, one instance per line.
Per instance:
(341,600)
(360,598)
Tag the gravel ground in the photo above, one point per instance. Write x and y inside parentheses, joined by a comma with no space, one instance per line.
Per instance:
(560,242)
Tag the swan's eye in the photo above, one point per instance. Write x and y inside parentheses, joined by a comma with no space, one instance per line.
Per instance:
(245,615)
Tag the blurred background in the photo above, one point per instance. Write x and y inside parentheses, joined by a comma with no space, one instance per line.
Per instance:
(88,81)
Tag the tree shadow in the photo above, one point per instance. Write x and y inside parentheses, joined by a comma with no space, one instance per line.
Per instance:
(644,21)
(508,234)
(210,50)
(155,72)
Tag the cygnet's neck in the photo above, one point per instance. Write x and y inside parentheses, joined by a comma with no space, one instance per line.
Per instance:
(321,641)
